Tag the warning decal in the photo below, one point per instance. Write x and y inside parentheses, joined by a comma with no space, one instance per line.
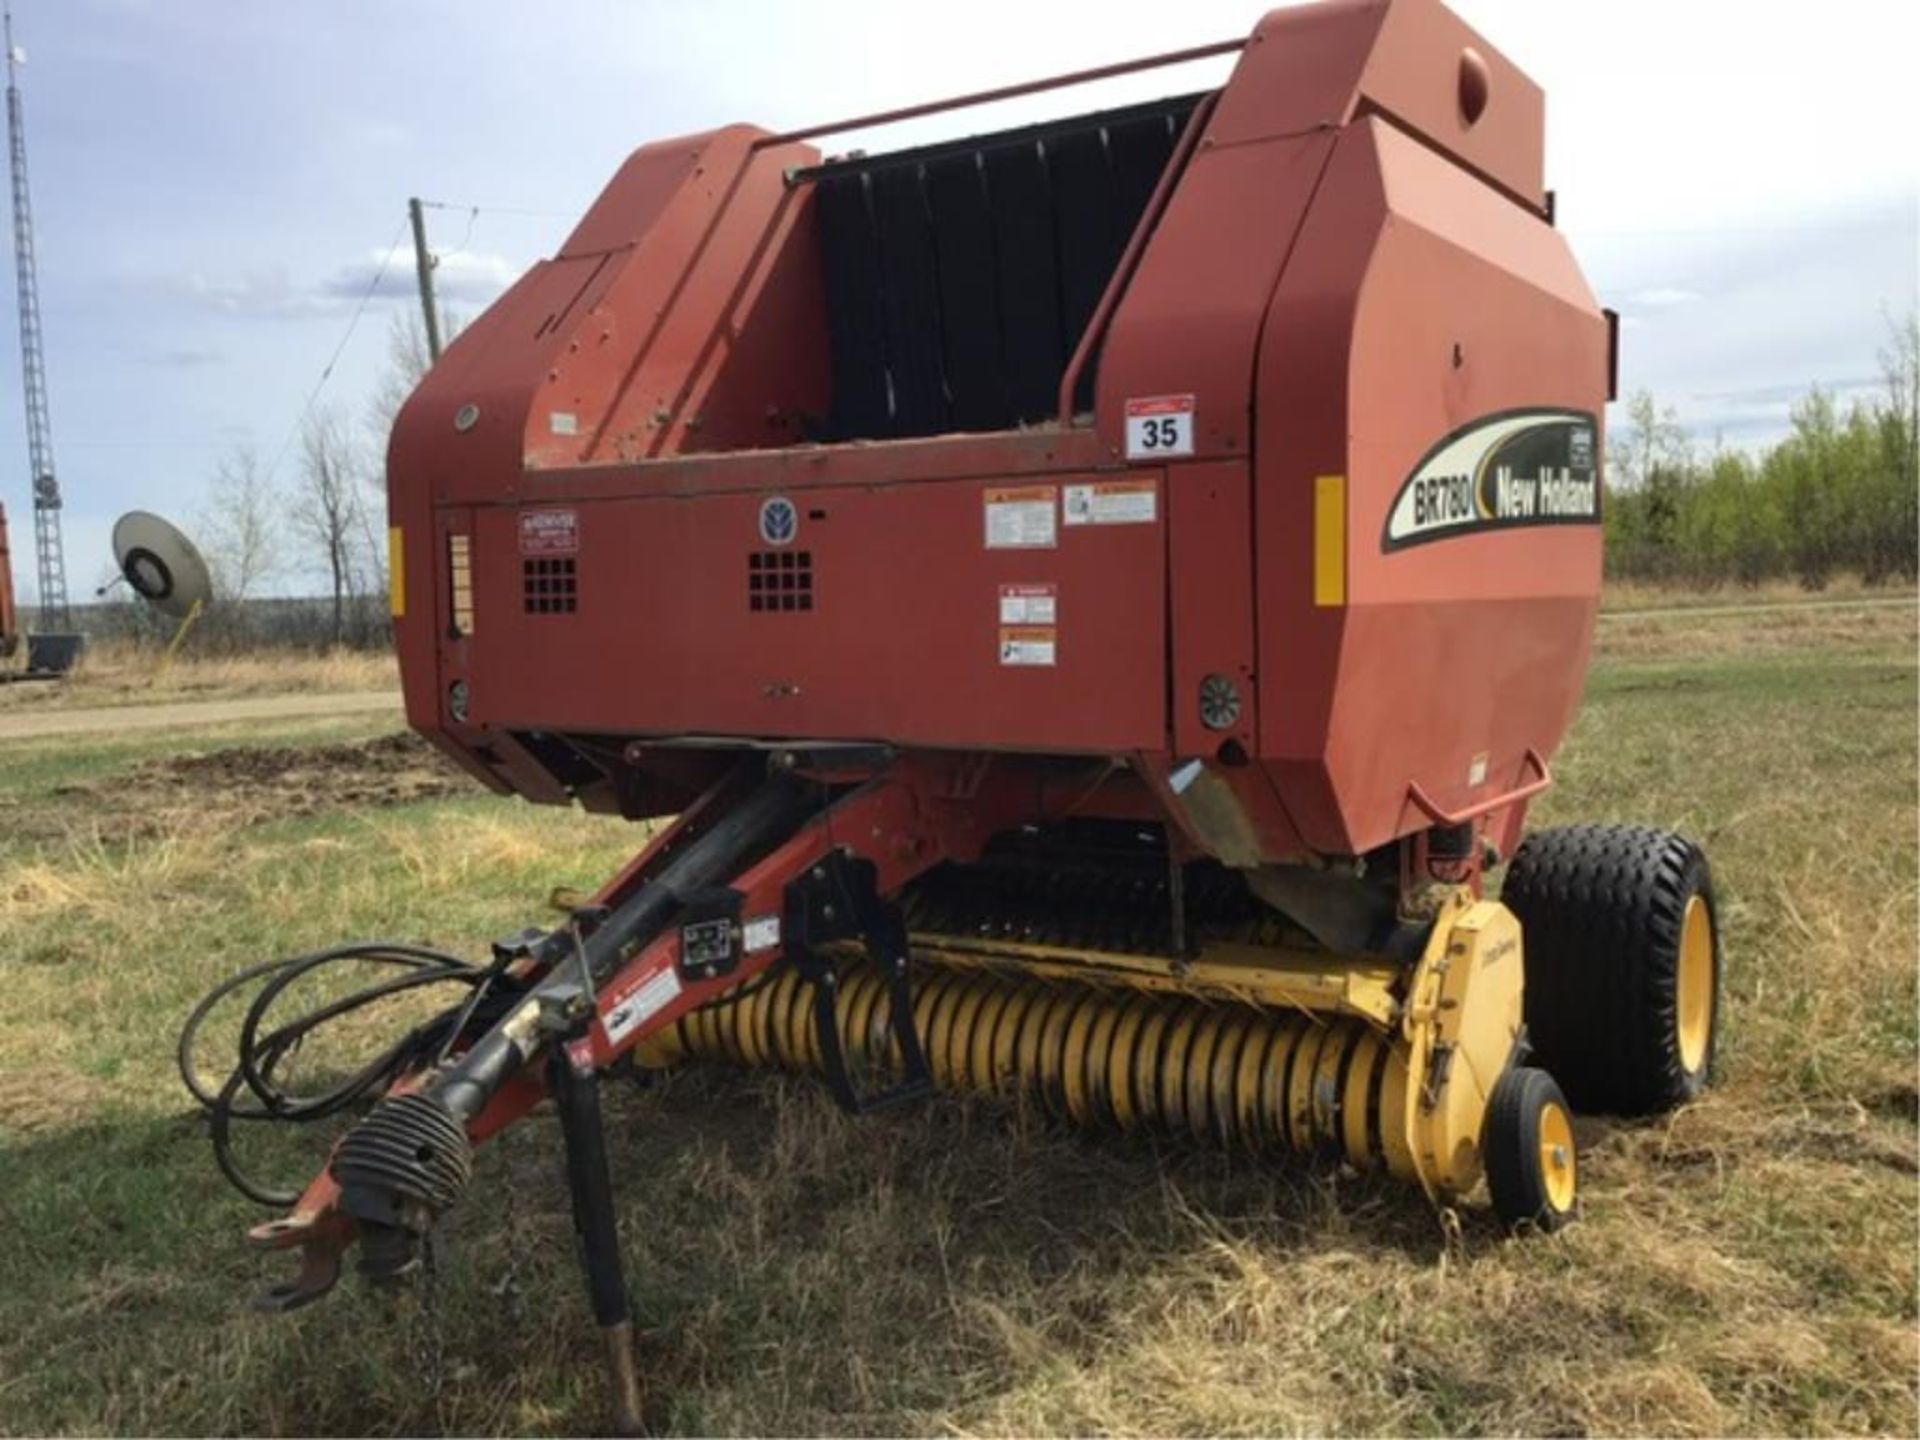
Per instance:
(1028,605)
(1027,644)
(549,532)
(1021,518)
(1113,502)
(620,1015)
(1159,426)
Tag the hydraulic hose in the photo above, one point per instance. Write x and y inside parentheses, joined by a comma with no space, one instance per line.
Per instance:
(253,1090)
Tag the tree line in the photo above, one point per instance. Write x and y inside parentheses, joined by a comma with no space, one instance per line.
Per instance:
(1836,495)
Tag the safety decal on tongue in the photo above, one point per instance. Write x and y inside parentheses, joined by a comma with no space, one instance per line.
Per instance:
(1519,467)
(621,1014)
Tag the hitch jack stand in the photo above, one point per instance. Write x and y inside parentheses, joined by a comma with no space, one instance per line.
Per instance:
(578,1098)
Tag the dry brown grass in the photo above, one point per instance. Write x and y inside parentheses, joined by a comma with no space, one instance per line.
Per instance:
(1621,595)
(1772,630)
(118,673)
(1747,1266)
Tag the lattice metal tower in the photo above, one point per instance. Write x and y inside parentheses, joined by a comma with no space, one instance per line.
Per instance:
(49,550)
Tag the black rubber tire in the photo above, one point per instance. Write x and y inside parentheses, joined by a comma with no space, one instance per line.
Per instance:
(1510,1151)
(1601,911)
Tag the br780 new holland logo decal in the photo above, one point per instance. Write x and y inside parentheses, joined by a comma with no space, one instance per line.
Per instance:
(1519,467)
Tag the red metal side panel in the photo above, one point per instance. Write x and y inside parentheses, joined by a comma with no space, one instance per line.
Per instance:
(1317,66)
(1414,74)
(1189,323)
(461,430)
(677,299)
(1210,594)
(464,432)
(1417,301)
(905,641)
(1300,71)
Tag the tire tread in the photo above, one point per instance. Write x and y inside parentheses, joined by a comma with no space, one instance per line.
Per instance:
(1601,910)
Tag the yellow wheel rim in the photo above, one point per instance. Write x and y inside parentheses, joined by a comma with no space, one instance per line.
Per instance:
(1693,985)
(1558,1163)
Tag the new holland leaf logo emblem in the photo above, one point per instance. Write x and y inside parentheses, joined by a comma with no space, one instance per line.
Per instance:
(779,520)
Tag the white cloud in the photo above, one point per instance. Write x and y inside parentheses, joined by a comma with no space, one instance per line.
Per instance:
(467,277)
(183,357)
(262,294)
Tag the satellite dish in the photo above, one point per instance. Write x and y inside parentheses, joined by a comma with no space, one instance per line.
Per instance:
(161,564)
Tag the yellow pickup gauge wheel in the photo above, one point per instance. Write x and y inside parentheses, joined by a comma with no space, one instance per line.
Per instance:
(1622,957)
(1532,1162)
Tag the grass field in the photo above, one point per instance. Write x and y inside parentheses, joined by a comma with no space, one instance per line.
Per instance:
(118,673)
(1747,1265)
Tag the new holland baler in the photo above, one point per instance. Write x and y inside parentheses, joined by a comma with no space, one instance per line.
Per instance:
(1097,598)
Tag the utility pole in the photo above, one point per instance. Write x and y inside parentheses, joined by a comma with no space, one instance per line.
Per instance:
(49,550)
(423,264)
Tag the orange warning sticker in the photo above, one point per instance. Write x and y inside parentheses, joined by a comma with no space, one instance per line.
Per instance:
(1027,644)
(1112,502)
(1021,517)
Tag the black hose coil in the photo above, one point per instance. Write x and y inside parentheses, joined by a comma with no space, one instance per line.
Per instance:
(262,1050)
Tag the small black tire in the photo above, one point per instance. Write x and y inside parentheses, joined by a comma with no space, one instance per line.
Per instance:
(1622,949)
(1528,1150)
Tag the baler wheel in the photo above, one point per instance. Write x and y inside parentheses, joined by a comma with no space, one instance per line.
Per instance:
(1622,963)
(1532,1162)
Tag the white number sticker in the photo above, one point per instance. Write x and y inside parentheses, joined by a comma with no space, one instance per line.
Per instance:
(1159,426)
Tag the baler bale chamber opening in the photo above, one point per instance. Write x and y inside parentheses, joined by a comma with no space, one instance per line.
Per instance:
(1092,605)
(960,277)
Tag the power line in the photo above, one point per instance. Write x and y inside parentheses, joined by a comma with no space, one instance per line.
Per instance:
(498,209)
(326,373)
(473,214)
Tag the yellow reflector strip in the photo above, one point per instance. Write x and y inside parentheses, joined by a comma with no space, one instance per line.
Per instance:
(396,573)
(1330,540)
(460,582)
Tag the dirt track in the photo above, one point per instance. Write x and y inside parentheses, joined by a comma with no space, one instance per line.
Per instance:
(110,718)
(1689,612)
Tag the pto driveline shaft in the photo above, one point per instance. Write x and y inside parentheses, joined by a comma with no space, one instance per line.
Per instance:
(408,1160)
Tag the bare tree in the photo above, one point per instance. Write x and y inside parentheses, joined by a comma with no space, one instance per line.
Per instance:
(329,507)
(239,529)
(1652,440)
(407,363)
(1900,367)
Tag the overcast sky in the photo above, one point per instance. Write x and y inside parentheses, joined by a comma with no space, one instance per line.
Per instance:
(215,181)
